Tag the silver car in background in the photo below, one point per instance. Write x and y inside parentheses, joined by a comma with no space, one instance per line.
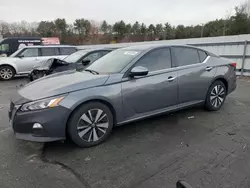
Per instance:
(124,86)
(23,60)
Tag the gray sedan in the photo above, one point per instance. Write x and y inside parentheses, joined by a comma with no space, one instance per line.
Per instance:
(126,85)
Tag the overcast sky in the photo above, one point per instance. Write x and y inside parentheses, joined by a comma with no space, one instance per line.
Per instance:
(148,11)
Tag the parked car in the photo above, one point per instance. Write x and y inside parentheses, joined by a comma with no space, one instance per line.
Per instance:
(76,61)
(126,85)
(24,59)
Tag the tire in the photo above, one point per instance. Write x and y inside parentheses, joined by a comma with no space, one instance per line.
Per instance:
(216,96)
(35,74)
(7,73)
(84,130)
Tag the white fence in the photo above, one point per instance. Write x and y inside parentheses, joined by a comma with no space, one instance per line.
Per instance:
(235,47)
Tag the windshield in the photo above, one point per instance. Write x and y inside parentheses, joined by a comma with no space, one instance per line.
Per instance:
(16,52)
(73,58)
(114,62)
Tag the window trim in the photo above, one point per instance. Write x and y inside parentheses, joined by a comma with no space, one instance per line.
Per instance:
(57,51)
(191,65)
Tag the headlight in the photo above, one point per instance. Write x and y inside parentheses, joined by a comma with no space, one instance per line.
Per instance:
(42,104)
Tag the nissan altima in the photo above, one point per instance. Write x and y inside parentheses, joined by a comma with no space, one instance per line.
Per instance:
(126,85)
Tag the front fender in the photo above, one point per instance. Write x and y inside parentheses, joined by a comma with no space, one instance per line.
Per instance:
(8,63)
(110,94)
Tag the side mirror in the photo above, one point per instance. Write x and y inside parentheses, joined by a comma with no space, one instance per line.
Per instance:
(138,71)
(182,184)
(85,62)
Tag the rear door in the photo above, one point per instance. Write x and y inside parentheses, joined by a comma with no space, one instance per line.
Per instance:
(66,51)
(153,92)
(194,74)
(49,52)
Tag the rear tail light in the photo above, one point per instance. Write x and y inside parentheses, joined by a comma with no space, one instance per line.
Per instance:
(233,65)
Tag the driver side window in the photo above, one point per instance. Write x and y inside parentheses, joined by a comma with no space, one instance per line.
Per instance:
(155,60)
(30,52)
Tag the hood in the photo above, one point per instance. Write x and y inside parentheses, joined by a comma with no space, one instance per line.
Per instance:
(61,83)
(4,60)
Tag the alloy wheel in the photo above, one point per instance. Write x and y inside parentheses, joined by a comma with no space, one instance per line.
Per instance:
(92,125)
(217,96)
(6,73)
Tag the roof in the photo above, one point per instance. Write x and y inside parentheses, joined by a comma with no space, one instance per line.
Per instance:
(23,38)
(47,46)
(95,49)
(101,47)
(151,46)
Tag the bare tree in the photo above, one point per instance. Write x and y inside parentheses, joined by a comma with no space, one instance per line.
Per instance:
(4,28)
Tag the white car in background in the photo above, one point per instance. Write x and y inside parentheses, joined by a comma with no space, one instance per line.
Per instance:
(24,59)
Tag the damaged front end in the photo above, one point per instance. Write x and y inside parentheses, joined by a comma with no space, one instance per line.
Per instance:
(48,67)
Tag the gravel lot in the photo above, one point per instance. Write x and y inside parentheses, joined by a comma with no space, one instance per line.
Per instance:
(208,149)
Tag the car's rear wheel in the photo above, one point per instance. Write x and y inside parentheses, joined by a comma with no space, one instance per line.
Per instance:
(6,73)
(216,96)
(90,124)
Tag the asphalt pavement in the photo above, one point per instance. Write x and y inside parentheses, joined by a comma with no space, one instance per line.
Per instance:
(207,149)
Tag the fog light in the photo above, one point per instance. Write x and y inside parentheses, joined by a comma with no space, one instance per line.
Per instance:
(37,126)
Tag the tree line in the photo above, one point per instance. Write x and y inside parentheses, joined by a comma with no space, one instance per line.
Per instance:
(84,31)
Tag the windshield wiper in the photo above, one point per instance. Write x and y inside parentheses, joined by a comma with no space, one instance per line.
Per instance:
(92,71)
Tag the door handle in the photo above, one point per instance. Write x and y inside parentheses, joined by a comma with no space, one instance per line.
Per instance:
(208,68)
(171,78)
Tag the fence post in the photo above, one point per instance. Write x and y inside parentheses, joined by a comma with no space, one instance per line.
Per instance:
(243,58)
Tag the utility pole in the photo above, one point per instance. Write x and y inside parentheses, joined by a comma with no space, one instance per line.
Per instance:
(202,30)
(225,28)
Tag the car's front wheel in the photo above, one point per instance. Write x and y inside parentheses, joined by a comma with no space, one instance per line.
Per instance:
(6,73)
(216,96)
(90,124)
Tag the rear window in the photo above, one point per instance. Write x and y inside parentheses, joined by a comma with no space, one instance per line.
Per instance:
(186,56)
(49,51)
(67,51)
(202,55)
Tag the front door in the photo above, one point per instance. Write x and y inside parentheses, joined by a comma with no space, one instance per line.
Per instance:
(154,92)
(27,59)
(194,74)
